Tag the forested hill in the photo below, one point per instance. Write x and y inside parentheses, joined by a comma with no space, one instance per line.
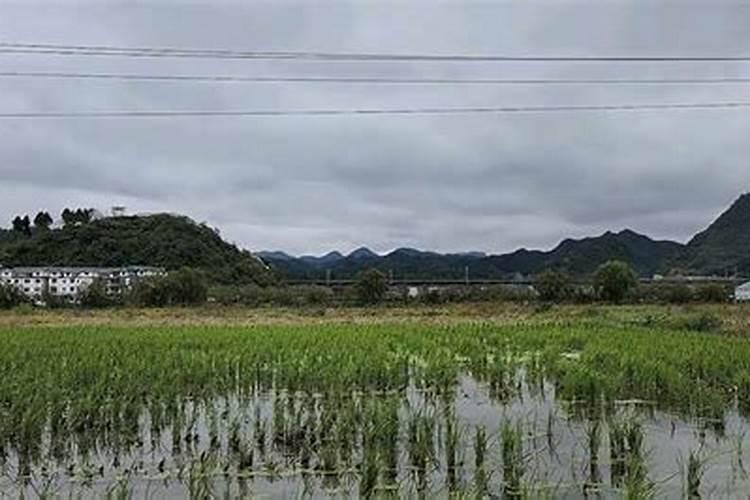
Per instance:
(724,247)
(164,240)
(579,258)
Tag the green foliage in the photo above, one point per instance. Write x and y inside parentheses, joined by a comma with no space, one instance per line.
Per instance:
(22,225)
(43,221)
(553,286)
(184,287)
(77,216)
(95,295)
(678,293)
(371,287)
(724,247)
(713,293)
(704,322)
(614,280)
(10,297)
(163,240)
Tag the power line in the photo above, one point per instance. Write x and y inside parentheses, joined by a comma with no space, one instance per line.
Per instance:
(373,80)
(375,111)
(171,52)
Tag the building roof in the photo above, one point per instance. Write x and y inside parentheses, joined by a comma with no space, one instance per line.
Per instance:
(79,270)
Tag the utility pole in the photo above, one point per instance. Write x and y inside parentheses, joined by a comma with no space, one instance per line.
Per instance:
(466,275)
(328,277)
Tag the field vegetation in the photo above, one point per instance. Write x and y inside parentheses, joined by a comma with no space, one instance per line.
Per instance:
(515,401)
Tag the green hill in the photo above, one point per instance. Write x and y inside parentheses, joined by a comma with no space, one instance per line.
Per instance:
(724,247)
(580,258)
(161,240)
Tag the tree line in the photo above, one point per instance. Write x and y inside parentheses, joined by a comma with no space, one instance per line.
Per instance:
(43,220)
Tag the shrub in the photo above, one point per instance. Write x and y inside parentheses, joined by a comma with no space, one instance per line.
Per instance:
(10,297)
(678,294)
(713,292)
(371,287)
(95,295)
(552,286)
(183,287)
(705,322)
(614,280)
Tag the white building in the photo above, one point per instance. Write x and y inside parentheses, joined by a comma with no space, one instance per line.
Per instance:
(68,282)
(742,293)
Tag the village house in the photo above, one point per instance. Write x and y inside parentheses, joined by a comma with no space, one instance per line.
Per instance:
(742,293)
(68,283)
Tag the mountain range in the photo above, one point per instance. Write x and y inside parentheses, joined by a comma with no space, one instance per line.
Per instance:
(723,248)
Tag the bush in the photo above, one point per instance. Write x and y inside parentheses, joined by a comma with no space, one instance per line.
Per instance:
(371,287)
(10,297)
(713,293)
(552,286)
(705,322)
(256,296)
(184,287)
(614,280)
(678,294)
(95,295)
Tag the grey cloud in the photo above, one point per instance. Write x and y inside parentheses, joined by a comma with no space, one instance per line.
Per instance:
(449,183)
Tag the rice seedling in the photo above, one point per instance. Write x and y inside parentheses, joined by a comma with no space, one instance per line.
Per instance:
(513,460)
(365,409)
(694,476)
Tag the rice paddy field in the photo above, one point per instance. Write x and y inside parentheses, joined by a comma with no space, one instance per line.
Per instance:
(502,401)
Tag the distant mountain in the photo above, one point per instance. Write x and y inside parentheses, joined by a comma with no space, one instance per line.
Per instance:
(362,253)
(724,247)
(275,255)
(324,260)
(577,257)
(164,240)
(582,257)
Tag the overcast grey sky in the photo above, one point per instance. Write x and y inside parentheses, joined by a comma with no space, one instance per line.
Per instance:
(449,183)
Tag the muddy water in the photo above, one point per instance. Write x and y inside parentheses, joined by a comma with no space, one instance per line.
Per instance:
(566,449)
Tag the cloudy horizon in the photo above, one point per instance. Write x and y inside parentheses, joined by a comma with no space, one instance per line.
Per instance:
(448,183)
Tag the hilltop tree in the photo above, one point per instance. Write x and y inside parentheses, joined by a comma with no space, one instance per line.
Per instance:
(614,280)
(22,225)
(43,220)
(78,216)
(371,287)
(68,217)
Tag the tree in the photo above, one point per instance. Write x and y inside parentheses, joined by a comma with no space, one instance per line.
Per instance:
(10,296)
(78,216)
(43,220)
(22,225)
(95,295)
(68,217)
(614,280)
(186,287)
(371,287)
(553,286)
(18,224)
(84,215)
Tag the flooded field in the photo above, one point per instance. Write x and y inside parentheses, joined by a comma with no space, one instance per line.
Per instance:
(476,410)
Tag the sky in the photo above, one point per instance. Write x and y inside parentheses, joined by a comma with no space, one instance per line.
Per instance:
(310,184)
